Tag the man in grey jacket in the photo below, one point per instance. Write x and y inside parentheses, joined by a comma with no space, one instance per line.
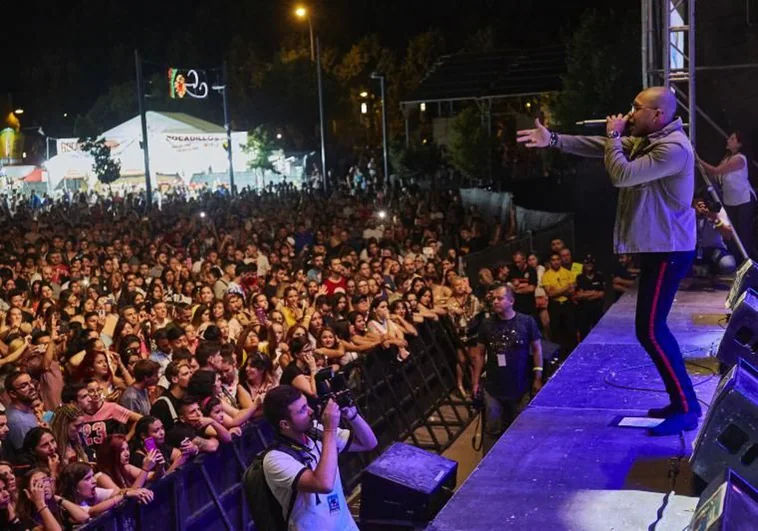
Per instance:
(654,171)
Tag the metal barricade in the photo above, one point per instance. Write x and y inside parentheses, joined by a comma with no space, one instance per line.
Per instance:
(538,241)
(399,401)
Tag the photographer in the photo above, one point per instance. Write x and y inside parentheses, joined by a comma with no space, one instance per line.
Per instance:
(320,501)
(712,230)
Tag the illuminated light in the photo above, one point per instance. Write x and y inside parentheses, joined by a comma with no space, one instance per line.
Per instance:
(364,94)
(278,136)
(364,108)
(424,141)
(23,155)
(528,105)
(19,111)
(382,214)
(65,115)
(202,214)
(422,107)
(301,12)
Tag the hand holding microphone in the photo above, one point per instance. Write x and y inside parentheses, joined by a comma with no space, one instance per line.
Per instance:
(616,124)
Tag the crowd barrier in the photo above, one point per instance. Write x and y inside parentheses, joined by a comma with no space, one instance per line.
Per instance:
(408,401)
(538,241)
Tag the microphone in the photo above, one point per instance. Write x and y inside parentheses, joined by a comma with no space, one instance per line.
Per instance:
(592,123)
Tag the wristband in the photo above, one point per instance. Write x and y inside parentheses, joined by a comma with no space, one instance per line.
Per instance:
(43,508)
(553,139)
(350,419)
(331,430)
(537,369)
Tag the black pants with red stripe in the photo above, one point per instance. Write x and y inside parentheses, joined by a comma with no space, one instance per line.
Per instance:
(660,274)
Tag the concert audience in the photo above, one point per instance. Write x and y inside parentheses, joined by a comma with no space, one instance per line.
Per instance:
(142,340)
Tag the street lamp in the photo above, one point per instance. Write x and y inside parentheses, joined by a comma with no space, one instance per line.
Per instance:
(223,88)
(381,79)
(302,12)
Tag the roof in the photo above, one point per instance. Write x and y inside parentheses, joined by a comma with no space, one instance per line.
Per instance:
(500,74)
(163,122)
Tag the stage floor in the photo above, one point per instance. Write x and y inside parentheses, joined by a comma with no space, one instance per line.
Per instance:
(565,465)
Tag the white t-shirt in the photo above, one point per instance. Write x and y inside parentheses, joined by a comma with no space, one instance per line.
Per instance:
(311,511)
(736,185)
(539,291)
(100,496)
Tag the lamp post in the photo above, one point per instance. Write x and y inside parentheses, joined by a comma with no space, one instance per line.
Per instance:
(302,13)
(224,89)
(381,79)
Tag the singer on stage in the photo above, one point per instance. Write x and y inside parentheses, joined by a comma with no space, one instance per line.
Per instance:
(654,171)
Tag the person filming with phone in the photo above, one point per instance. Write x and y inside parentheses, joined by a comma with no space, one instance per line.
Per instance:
(303,462)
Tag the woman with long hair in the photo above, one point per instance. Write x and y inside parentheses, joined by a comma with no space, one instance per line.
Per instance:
(151,428)
(201,317)
(207,384)
(399,313)
(256,378)
(8,510)
(69,303)
(738,194)
(381,325)
(39,451)
(65,429)
(77,484)
(113,460)
(8,518)
(39,506)
(95,364)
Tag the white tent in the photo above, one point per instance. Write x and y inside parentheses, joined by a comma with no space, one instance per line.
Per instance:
(179,144)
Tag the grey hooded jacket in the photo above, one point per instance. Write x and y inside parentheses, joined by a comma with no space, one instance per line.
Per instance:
(656,178)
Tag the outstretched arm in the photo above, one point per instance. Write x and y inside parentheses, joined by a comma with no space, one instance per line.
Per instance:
(583,146)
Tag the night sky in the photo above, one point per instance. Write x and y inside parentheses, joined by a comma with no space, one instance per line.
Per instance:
(61,56)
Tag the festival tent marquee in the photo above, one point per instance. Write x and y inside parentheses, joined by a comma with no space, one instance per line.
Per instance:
(179,144)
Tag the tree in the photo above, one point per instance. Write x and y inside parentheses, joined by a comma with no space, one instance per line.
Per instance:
(470,145)
(601,78)
(106,169)
(417,159)
(259,149)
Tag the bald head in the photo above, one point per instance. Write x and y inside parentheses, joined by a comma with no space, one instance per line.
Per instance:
(660,98)
(654,109)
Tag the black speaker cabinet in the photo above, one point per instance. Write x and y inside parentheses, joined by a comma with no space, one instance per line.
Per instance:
(740,340)
(728,437)
(728,504)
(406,486)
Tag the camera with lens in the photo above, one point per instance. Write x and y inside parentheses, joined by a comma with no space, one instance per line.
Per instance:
(330,384)
(712,205)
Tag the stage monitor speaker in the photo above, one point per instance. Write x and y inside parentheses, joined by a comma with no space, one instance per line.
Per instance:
(729,503)
(740,341)
(728,437)
(406,486)
(746,277)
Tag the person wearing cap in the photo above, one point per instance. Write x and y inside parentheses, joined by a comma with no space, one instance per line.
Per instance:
(590,292)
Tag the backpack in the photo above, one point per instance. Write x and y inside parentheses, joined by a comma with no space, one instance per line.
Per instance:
(265,509)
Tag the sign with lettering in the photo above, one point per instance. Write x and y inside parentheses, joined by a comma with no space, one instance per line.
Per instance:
(184,83)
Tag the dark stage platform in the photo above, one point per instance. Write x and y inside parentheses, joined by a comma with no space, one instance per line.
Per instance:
(565,465)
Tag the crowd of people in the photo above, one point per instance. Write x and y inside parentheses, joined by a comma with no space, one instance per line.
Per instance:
(132,341)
